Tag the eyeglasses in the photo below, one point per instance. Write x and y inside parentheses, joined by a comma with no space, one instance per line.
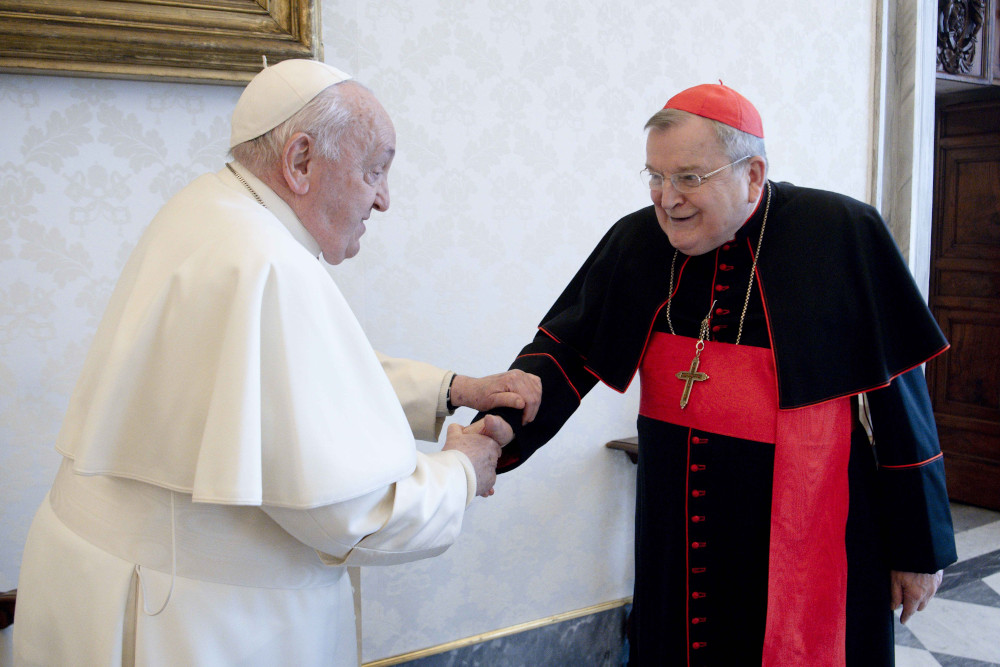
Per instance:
(684,181)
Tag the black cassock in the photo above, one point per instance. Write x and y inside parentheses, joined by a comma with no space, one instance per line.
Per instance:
(766,522)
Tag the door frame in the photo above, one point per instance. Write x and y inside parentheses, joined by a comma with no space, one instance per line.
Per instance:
(901,170)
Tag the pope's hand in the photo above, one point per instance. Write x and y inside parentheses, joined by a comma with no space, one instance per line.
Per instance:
(482,450)
(913,590)
(511,389)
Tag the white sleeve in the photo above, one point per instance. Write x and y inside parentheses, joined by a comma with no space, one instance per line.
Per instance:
(417,517)
(422,390)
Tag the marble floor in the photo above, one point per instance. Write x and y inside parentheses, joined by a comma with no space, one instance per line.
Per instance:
(961,625)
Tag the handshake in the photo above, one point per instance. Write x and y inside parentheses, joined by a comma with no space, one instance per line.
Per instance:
(481,441)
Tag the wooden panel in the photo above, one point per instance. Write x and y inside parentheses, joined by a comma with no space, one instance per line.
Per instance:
(965,297)
(972,481)
(972,118)
(968,283)
(969,381)
(970,208)
(977,191)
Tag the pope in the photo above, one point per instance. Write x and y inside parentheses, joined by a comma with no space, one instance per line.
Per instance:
(234,443)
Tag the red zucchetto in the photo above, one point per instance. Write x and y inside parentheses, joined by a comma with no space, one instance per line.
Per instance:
(721,103)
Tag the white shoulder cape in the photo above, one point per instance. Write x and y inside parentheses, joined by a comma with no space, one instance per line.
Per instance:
(229,366)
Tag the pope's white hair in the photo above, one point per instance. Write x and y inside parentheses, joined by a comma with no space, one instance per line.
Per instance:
(329,118)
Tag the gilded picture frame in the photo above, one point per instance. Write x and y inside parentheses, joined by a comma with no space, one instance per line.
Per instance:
(208,41)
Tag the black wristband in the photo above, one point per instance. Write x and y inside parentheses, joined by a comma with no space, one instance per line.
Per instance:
(447,400)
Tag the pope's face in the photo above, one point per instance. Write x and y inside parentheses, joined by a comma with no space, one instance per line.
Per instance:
(705,218)
(343,193)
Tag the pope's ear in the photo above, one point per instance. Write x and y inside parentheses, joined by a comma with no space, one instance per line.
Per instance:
(757,175)
(296,162)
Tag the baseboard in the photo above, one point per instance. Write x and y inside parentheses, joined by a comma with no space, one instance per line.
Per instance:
(521,629)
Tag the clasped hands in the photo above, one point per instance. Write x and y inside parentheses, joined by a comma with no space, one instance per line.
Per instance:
(481,441)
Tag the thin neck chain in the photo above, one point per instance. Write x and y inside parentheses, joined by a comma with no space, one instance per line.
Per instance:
(704,332)
(242,180)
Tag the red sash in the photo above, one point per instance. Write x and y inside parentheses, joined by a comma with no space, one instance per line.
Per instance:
(807,570)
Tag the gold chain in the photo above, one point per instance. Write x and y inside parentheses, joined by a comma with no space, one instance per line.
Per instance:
(703,333)
(247,185)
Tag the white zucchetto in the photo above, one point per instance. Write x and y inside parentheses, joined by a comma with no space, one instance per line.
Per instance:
(277,93)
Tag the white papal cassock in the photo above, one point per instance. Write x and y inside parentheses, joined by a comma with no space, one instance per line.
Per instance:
(233,444)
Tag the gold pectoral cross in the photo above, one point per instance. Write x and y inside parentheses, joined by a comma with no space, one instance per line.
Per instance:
(691,376)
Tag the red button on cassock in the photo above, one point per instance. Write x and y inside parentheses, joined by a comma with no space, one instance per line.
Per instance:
(697,519)
(697,645)
(696,621)
(699,545)
(721,311)
(698,570)
(699,441)
(698,493)
(721,288)
(698,595)
(697,467)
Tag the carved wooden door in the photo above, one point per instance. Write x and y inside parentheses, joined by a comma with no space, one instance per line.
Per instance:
(965,296)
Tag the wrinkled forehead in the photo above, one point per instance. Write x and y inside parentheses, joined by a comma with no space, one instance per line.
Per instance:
(691,143)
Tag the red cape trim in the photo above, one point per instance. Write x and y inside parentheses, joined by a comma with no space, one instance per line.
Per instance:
(553,359)
(919,464)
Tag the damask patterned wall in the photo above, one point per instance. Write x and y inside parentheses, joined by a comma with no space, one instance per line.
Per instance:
(520,138)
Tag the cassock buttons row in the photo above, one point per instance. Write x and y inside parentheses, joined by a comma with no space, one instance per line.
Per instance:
(723,288)
(696,468)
